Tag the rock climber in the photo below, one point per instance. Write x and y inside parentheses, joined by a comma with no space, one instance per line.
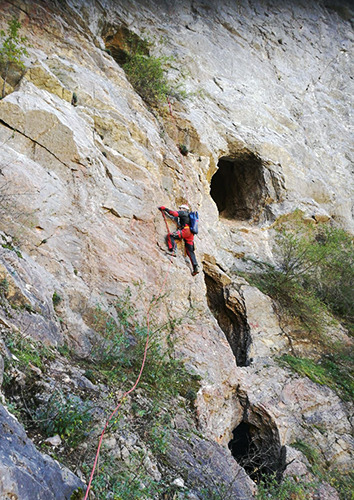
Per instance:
(181,217)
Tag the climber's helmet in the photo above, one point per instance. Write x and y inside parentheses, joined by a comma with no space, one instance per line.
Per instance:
(184,207)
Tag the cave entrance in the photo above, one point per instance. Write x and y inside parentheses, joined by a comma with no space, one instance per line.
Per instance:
(123,43)
(238,187)
(231,317)
(257,450)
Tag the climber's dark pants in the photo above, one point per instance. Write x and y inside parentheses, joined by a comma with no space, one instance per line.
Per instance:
(188,237)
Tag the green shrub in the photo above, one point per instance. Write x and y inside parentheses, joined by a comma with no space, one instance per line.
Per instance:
(148,74)
(290,294)
(183,149)
(56,298)
(341,479)
(67,416)
(120,481)
(120,350)
(285,490)
(118,358)
(311,453)
(12,49)
(314,272)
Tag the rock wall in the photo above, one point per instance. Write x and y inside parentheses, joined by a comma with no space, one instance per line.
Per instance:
(269,92)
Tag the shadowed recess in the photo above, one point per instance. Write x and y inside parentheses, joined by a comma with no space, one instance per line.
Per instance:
(231,318)
(238,187)
(255,446)
(122,43)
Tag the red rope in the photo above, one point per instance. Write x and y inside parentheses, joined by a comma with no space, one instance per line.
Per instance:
(136,382)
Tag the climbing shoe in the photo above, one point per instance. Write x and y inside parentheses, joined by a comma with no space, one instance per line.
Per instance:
(195,270)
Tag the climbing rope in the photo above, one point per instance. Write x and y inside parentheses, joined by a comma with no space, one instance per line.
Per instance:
(153,301)
(167,227)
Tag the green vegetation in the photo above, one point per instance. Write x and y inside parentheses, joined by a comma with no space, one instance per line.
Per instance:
(11,247)
(116,360)
(314,273)
(4,288)
(56,299)
(120,481)
(183,149)
(313,282)
(148,74)
(65,415)
(26,354)
(311,453)
(334,370)
(78,494)
(119,351)
(342,480)
(285,490)
(12,49)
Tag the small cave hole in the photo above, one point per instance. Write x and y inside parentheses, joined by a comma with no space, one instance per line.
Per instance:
(123,43)
(231,318)
(255,450)
(238,187)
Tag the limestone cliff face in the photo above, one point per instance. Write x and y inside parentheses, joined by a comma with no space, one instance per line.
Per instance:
(269,98)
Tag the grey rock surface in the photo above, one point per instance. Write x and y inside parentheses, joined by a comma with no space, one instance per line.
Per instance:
(26,473)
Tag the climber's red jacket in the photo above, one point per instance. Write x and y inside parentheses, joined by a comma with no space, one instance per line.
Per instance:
(183,223)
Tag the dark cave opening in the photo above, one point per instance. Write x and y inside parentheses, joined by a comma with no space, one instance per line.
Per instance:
(241,441)
(238,187)
(257,451)
(231,318)
(123,43)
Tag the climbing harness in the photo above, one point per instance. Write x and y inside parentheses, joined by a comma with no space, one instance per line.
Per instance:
(154,299)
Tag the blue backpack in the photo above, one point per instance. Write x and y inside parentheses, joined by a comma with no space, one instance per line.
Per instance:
(194,218)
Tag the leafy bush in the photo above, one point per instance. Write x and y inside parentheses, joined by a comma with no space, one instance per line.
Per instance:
(314,272)
(67,416)
(118,356)
(119,352)
(311,453)
(342,481)
(56,299)
(120,482)
(148,74)
(12,49)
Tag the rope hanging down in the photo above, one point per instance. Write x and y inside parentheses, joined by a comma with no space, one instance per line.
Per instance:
(168,229)
(154,299)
